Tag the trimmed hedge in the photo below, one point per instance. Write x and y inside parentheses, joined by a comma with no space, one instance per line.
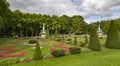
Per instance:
(75,50)
(58,52)
(32,41)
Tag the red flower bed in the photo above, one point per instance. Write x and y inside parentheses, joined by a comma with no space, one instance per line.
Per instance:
(66,48)
(52,49)
(9,49)
(4,54)
(59,45)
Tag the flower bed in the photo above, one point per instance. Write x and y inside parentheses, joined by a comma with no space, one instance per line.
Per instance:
(59,50)
(59,45)
(5,54)
(9,49)
(15,42)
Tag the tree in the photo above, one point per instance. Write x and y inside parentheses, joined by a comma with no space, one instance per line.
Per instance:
(16,23)
(94,43)
(75,40)
(113,37)
(77,22)
(37,53)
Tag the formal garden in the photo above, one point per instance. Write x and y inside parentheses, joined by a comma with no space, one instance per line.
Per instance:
(68,50)
(42,40)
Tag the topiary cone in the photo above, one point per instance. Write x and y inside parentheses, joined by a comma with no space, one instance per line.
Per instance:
(37,53)
(113,37)
(94,43)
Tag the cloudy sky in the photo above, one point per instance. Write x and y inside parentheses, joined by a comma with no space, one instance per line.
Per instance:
(91,10)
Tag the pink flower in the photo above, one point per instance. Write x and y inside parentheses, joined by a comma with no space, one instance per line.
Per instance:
(66,48)
(4,54)
(52,49)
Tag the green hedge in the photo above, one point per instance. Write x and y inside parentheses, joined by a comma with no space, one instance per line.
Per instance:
(32,41)
(82,44)
(8,62)
(58,52)
(69,39)
(75,50)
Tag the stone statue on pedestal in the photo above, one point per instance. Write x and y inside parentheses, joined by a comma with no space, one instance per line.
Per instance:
(99,31)
(43,32)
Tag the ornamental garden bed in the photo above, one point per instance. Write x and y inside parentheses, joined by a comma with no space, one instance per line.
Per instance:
(8,50)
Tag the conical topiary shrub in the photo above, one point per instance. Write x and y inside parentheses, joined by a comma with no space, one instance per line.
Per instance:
(75,40)
(94,43)
(47,34)
(56,36)
(85,42)
(37,53)
(86,39)
(113,37)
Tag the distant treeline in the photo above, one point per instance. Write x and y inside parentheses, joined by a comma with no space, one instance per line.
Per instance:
(104,24)
(26,24)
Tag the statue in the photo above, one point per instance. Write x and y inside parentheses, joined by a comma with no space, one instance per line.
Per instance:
(43,32)
(99,31)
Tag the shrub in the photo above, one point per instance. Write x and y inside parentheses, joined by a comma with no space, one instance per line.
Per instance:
(82,44)
(75,50)
(94,43)
(60,39)
(113,37)
(37,53)
(86,40)
(58,52)
(56,36)
(75,40)
(69,42)
(69,39)
(101,37)
(32,41)
(10,61)
(47,34)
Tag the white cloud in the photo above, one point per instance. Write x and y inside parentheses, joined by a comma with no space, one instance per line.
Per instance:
(86,8)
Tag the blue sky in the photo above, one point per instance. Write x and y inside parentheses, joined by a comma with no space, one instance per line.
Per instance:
(91,10)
